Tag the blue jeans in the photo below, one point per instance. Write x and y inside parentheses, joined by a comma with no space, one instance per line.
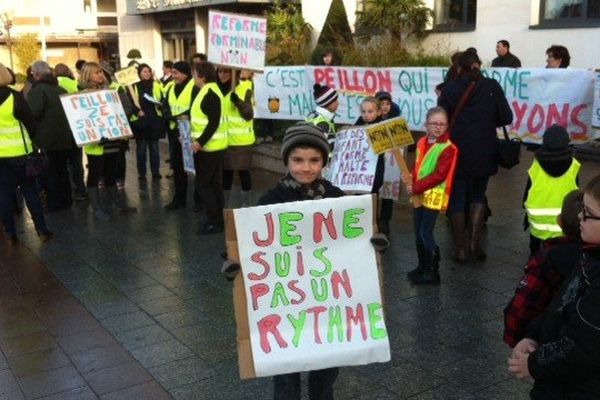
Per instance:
(142,147)
(11,177)
(467,191)
(320,385)
(424,220)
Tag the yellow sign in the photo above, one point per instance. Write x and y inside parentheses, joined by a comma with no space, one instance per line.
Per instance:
(389,135)
(127,76)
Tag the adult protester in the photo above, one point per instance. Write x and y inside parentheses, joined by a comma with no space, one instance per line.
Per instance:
(557,57)
(178,101)
(53,134)
(166,81)
(505,57)
(28,82)
(147,122)
(477,106)
(78,65)
(17,125)
(209,141)
(199,58)
(240,139)
(103,157)
(67,81)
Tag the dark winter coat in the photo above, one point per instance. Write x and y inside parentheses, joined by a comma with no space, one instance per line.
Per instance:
(151,126)
(284,194)
(474,132)
(54,132)
(508,60)
(567,363)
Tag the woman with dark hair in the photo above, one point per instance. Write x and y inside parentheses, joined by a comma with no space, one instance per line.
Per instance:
(147,124)
(18,127)
(473,131)
(558,57)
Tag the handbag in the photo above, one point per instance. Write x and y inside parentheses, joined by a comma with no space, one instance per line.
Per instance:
(36,162)
(509,151)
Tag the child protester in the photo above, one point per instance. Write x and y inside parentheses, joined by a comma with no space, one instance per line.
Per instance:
(326,99)
(389,109)
(432,183)
(305,152)
(545,272)
(561,350)
(553,173)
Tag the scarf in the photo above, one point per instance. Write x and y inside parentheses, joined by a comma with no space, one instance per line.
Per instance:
(313,191)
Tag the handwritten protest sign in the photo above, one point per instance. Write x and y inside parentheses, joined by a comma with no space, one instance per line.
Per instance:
(596,107)
(127,76)
(311,285)
(353,163)
(95,115)
(388,135)
(392,181)
(237,41)
(185,138)
(538,97)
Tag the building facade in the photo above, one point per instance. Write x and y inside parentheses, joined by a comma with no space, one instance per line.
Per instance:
(67,30)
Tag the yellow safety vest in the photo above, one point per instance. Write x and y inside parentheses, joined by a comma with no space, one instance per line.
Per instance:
(11,139)
(545,199)
(156,93)
(70,85)
(239,131)
(164,87)
(180,104)
(199,120)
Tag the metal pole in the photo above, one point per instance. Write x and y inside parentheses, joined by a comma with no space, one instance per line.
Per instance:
(9,44)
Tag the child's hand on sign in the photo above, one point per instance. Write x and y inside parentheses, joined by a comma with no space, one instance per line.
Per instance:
(196,147)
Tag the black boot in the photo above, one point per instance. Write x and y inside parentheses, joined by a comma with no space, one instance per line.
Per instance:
(457,224)
(429,273)
(420,255)
(476,218)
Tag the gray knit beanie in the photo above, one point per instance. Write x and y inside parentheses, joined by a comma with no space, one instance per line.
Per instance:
(304,134)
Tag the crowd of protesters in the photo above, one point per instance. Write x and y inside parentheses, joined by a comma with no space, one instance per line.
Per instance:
(456,158)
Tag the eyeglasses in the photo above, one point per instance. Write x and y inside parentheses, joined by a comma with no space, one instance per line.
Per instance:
(585,216)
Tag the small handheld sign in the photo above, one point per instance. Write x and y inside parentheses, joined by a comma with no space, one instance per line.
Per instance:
(185,138)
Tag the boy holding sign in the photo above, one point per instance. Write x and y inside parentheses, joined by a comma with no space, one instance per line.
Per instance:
(432,182)
(305,152)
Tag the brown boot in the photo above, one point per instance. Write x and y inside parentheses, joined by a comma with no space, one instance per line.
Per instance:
(457,224)
(476,219)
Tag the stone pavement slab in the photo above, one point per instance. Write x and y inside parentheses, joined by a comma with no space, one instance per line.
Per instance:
(136,308)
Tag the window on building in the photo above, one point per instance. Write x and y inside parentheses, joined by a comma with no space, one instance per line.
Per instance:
(455,14)
(571,13)
(87,6)
(106,5)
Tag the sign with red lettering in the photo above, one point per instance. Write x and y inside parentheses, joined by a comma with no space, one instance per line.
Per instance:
(311,285)
(236,40)
(353,162)
(95,115)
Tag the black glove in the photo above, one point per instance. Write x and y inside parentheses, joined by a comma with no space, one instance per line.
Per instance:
(380,242)
(235,98)
(230,269)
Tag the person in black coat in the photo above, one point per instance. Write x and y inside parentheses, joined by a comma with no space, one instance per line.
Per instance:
(561,350)
(473,131)
(505,57)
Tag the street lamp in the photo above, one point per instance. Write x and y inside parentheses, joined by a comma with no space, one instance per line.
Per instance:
(7,18)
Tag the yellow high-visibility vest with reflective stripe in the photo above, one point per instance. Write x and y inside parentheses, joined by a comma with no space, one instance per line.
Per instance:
(199,120)
(180,104)
(239,131)
(156,93)
(164,87)
(11,139)
(70,85)
(545,199)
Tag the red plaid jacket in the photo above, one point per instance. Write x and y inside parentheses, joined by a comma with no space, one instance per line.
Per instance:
(535,291)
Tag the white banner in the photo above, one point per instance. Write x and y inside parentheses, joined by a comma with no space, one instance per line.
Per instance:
(237,41)
(95,115)
(596,110)
(538,97)
(312,285)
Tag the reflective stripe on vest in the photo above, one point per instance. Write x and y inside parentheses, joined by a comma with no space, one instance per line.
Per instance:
(239,131)
(156,93)
(199,120)
(70,85)
(436,198)
(180,104)
(545,198)
(11,139)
